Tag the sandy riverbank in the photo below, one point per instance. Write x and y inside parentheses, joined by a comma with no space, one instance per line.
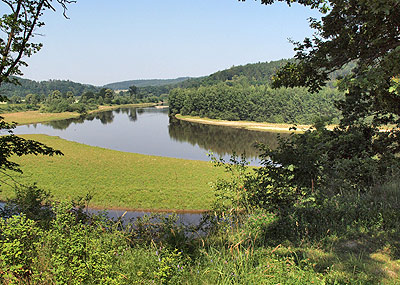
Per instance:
(255,126)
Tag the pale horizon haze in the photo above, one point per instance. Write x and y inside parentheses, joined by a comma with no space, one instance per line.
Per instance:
(107,41)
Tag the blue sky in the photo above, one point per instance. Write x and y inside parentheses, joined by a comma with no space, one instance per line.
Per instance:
(114,40)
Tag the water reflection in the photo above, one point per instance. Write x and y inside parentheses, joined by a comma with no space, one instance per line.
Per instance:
(106,117)
(221,140)
(151,131)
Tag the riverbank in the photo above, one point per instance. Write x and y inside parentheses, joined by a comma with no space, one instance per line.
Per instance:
(254,126)
(34,117)
(118,180)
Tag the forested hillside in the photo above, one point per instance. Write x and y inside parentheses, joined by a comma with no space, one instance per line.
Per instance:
(237,93)
(256,73)
(45,87)
(124,85)
(238,100)
(244,93)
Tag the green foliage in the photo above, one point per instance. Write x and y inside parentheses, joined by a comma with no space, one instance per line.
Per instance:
(12,145)
(347,35)
(159,228)
(18,22)
(26,87)
(170,266)
(305,201)
(19,240)
(237,100)
(257,223)
(34,203)
(80,253)
(332,175)
(18,107)
(395,85)
(95,250)
(143,83)
(231,194)
(255,73)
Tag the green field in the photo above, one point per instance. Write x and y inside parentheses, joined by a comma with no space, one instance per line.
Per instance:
(118,179)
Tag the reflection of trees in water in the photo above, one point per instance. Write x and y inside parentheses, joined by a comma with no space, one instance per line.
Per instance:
(105,117)
(221,140)
(64,124)
(132,115)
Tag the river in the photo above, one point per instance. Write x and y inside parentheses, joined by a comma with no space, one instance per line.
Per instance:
(151,131)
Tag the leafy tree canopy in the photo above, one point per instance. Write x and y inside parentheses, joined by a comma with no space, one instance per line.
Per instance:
(17,26)
(364,32)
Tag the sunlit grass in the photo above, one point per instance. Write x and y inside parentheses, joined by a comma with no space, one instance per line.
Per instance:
(118,179)
(31,117)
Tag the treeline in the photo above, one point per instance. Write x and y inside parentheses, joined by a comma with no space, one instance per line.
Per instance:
(41,90)
(44,88)
(237,99)
(147,90)
(57,101)
(256,73)
(260,73)
(124,85)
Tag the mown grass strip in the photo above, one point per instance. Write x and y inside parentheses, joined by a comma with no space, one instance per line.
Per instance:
(118,179)
(33,117)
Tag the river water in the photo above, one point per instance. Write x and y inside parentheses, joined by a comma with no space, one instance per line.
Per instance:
(151,131)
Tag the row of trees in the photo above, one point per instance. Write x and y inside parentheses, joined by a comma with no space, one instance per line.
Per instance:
(57,101)
(238,100)
(42,89)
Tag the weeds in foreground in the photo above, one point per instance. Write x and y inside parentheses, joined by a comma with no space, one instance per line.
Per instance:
(341,241)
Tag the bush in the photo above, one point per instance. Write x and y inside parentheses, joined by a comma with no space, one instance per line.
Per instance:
(19,243)
(81,253)
(31,201)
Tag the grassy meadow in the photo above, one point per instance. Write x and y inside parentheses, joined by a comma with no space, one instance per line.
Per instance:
(32,117)
(117,179)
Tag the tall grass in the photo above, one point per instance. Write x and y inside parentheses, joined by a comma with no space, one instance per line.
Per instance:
(242,253)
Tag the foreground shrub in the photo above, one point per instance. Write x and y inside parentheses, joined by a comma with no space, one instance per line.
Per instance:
(33,202)
(81,253)
(19,244)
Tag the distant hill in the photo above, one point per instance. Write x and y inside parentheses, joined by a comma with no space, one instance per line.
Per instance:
(256,73)
(260,73)
(124,85)
(44,87)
